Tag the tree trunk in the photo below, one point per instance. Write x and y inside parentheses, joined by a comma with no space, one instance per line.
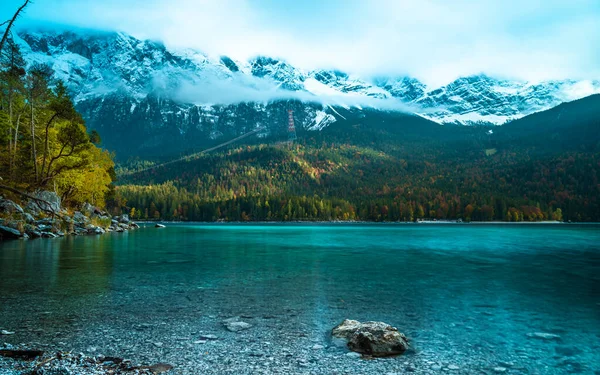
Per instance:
(14,149)
(47,143)
(10,130)
(33,153)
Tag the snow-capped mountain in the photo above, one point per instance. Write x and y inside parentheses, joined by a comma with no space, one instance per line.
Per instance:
(125,86)
(483,99)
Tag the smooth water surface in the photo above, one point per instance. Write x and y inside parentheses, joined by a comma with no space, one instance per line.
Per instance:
(470,295)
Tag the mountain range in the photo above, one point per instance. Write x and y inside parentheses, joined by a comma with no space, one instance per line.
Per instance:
(149,100)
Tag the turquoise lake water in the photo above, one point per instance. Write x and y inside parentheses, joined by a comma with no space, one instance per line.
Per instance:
(477,294)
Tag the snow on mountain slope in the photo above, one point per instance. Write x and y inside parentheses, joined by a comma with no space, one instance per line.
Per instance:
(121,82)
(481,98)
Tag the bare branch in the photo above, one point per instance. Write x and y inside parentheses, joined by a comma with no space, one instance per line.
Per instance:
(10,24)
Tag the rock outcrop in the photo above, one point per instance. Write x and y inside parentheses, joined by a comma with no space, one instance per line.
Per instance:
(375,339)
(33,221)
(51,203)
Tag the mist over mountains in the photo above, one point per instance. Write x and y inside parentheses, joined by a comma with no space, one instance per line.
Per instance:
(171,100)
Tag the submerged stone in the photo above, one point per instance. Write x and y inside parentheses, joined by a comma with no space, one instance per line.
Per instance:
(377,339)
(235,324)
(160,367)
(543,336)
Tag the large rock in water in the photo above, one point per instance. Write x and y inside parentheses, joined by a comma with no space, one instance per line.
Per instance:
(371,338)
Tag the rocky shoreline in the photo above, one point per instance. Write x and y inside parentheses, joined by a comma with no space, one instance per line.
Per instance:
(44,217)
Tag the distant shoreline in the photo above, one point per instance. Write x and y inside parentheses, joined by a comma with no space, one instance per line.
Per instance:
(425,222)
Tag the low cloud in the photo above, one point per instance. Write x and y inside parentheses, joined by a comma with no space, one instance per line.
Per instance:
(432,40)
(241,88)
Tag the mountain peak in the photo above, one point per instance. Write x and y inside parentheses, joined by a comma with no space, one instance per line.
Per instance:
(96,63)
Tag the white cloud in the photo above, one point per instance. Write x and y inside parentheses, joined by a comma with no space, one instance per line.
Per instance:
(242,88)
(433,40)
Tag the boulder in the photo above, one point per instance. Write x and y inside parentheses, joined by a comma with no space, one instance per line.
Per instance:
(375,339)
(51,204)
(80,218)
(99,230)
(124,219)
(7,233)
(134,225)
(88,209)
(46,221)
(80,231)
(44,228)
(28,218)
(8,206)
(159,226)
(34,234)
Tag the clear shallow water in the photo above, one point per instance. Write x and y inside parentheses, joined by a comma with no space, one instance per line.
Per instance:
(466,295)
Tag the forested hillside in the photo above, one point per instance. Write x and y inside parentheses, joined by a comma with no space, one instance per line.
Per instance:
(384,167)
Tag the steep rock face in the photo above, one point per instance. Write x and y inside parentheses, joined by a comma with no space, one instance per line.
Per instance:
(149,100)
(481,98)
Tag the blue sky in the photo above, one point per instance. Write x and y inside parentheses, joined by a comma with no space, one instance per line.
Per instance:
(433,40)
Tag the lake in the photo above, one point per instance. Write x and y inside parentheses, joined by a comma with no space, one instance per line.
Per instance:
(472,298)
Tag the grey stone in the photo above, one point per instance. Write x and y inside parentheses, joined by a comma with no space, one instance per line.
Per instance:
(208,337)
(9,233)
(88,209)
(377,339)
(34,234)
(80,218)
(8,206)
(543,336)
(44,228)
(235,324)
